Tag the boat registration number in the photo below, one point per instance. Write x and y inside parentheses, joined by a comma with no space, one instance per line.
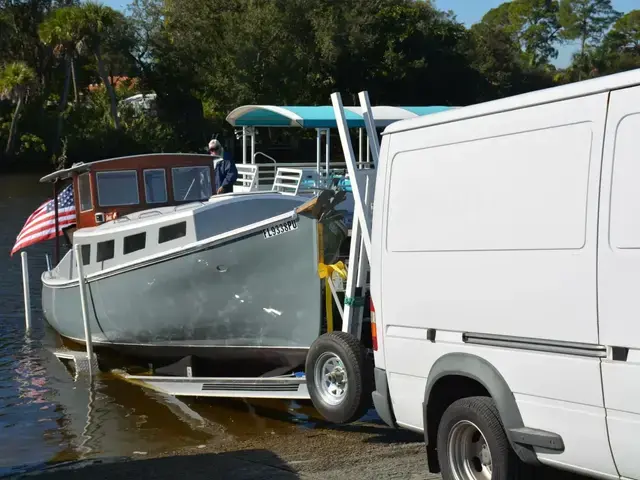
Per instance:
(280,228)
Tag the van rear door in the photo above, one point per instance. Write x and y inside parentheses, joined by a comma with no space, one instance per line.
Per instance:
(619,277)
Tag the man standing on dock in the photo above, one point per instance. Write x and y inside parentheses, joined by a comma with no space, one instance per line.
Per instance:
(225,171)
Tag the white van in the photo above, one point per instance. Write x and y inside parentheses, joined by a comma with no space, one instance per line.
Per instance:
(505,276)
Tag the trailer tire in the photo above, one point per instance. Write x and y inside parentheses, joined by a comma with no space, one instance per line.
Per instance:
(471,440)
(339,377)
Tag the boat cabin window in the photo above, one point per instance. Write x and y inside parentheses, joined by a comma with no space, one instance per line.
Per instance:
(171,232)
(133,243)
(105,251)
(191,183)
(85,251)
(117,188)
(84,192)
(155,185)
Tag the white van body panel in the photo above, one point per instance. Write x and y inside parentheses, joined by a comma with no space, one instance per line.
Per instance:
(489,225)
(487,222)
(619,276)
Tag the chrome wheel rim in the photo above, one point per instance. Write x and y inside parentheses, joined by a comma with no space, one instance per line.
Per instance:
(468,452)
(330,378)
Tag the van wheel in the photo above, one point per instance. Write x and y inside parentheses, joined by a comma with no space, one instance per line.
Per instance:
(339,377)
(472,443)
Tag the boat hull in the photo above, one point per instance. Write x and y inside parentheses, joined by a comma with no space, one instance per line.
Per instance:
(247,299)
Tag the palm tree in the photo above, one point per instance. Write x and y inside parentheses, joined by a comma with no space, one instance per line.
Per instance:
(96,21)
(62,31)
(15,81)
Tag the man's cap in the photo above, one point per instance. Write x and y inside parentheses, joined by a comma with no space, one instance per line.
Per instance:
(214,143)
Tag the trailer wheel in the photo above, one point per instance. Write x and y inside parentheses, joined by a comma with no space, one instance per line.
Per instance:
(339,377)
(472,443)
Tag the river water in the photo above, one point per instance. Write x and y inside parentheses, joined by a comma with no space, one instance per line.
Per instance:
(46,416)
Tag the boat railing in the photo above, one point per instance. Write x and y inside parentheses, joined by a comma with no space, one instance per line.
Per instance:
(149,213)
(266,172)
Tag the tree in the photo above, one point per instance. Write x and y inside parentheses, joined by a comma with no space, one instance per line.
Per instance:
(96,20)
(532,25)
(586,20)
(15,81)
(624,36)
(620,50)
(61,30)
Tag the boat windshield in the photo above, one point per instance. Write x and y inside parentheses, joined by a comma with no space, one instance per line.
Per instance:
(191,183)
(116,188)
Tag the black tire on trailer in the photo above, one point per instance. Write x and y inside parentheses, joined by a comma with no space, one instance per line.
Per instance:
(472,442)
(339,377)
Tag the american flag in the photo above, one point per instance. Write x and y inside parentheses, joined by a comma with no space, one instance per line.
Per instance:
(41,224)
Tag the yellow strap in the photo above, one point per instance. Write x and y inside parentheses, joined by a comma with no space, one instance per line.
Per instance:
(324,271)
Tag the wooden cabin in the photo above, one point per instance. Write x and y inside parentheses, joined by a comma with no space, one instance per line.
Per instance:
(107,189)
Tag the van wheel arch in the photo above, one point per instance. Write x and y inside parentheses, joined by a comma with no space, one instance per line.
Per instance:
(458,375)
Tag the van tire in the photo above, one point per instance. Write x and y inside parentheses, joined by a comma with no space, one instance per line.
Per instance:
(345,354)
(458,420)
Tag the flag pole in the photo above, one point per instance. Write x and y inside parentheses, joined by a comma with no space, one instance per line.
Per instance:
(55,216)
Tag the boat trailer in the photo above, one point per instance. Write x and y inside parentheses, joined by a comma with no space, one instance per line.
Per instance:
(291,386)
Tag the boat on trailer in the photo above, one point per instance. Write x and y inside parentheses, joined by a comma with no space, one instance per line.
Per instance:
(216,278)
(160,303)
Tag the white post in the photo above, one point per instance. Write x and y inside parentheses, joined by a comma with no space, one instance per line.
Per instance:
(85,310)
(318,151)
(347,148)
(48,260)
(25,288)
(327,154)
(360,148)
(253,145)
(350,288)
(368,150)
(244,144)
(372,133)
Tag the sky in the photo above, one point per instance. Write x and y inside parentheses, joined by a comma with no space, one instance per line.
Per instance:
(470,12)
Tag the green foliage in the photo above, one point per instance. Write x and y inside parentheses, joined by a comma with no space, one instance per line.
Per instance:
(624,37)
(15,80)
(530,25)
(32,147)
(586,20)
(205,57)
(62,30)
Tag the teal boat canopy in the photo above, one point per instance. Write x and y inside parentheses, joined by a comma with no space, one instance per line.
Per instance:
(321,116)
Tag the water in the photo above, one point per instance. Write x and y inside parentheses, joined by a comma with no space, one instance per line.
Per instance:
(47,416)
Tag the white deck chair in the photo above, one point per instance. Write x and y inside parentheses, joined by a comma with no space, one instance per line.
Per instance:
(287,181)
(247,178)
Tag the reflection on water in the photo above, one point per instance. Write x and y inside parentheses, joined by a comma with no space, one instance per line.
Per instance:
(46,416)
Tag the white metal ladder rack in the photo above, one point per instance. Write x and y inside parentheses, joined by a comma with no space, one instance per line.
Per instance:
(294,386)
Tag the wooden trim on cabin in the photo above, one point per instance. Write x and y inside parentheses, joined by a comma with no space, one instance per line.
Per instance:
(139,164)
